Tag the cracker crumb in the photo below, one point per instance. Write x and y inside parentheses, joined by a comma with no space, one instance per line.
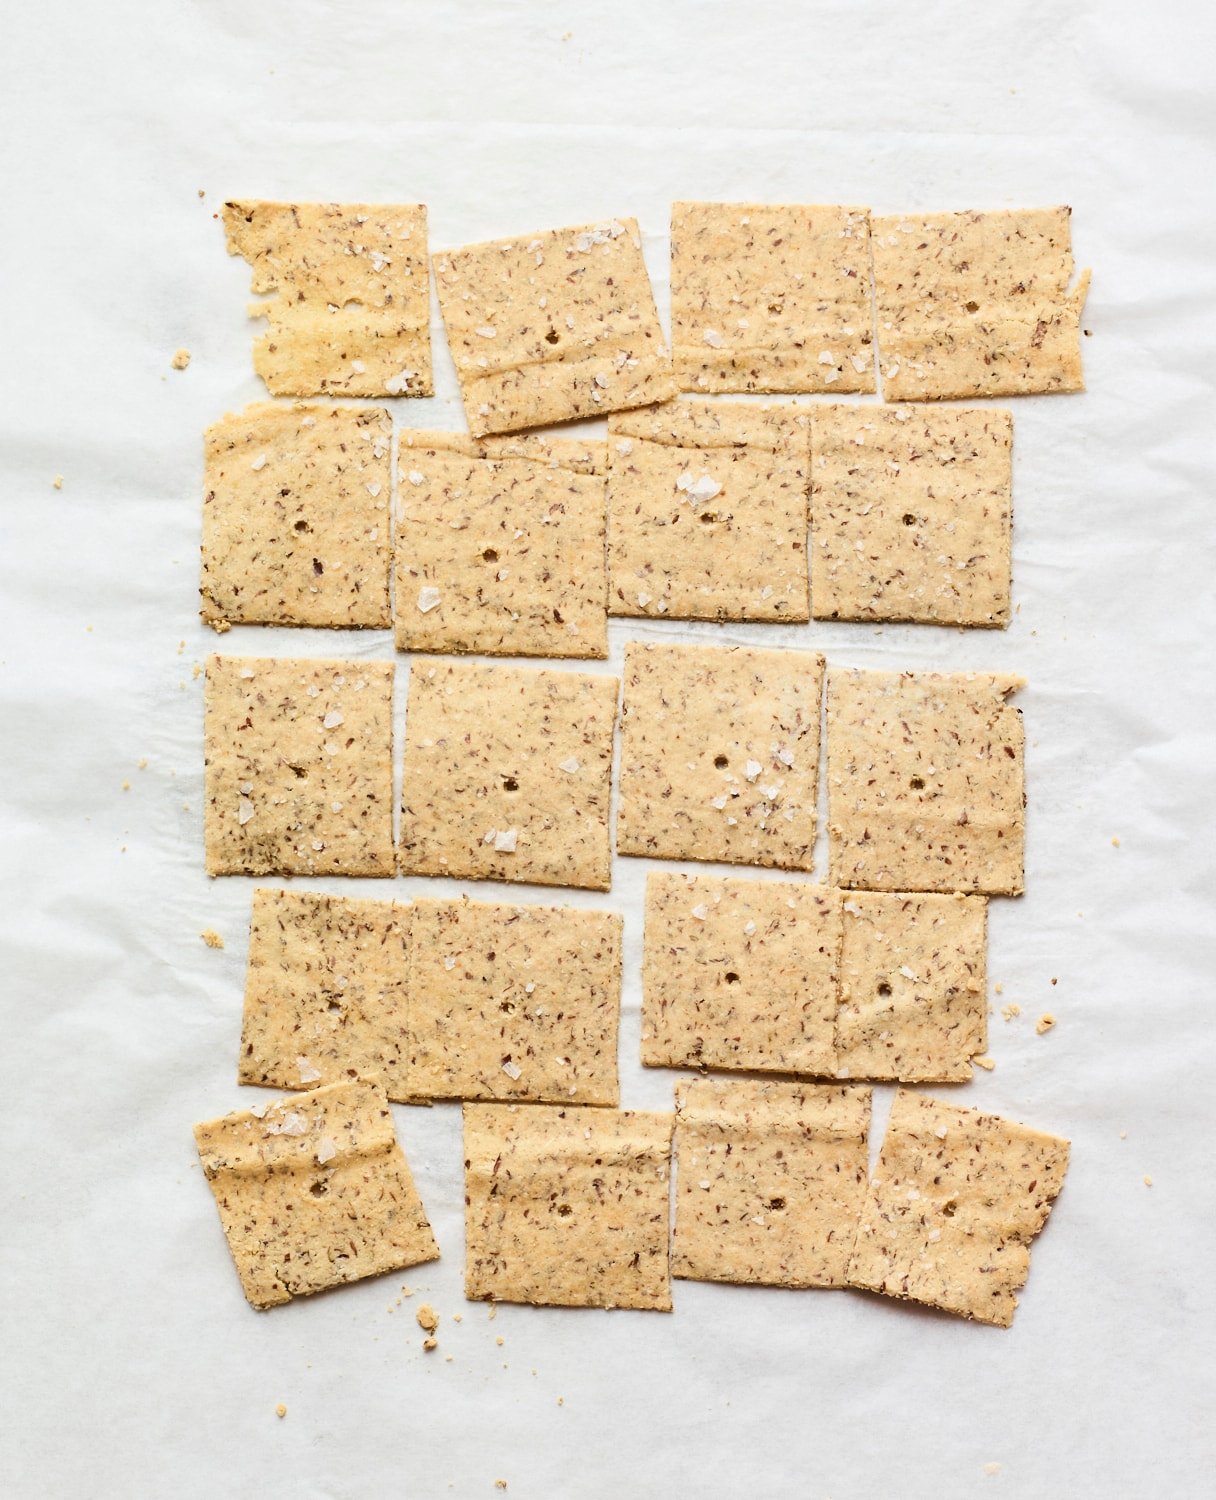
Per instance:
(280,1410)
(1011,1010)
(211,938)
(1054,980)
(992,1468)
(429,1344)
(126,786)
(1045,1022)
(1000,989)
(985,1062)
(1148,1181)
(181,359)
(500,1484)
(1123,1135)
(1114,841)
(57,484)
(143,763)
(500,1340)
(428,1318)
(457,1317)
(561,1400)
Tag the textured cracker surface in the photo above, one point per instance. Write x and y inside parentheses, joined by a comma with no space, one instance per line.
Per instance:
(567,1207)
(954,1202)
(582,455)
(708,511)
(977,304)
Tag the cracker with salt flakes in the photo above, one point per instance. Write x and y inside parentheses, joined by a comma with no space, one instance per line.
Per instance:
(770,1181)
(720,754)
(508,774)
(313,1192)
(771,297)
(925,782)
(298,767)
(977,304)
(708,511)
(954,1202)
(553,326)
(514,1002)
(567,1207)
(296,517)
(347,296)
(326,991)
(912,510)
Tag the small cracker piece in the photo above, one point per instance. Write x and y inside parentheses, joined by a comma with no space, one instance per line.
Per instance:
(720,754)
(314,1191)
(553,326)
(977,304)
(348,296)
(514,1002)
(567,1207)
(911,514)
(295,517)
(771,297)
(954,1202)
(508,774)
(914,987)
(770,1180)
(326,991)
(708,512)
(299,775)
(925,782)
(740,974)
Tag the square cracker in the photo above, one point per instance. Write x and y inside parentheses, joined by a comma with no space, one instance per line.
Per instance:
(770,1180)
(913,987)
(925,782)
(348,296)
(567,1207)
(295,517)
(508,774)
(911,514)
(314,1191)
(552,326)
(954,1202)
(299,773)
(503,555)
(514,1002)
(326,991)
(720,754)
(708,511)
(771,297)
(740,974)
(977,304)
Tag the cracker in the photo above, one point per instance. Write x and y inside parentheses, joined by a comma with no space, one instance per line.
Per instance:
(720,754)
(514,1002)
(954,1202)
(567,1207)
(912,511)
(508,774)
(770,1180)
(314,1191)
(295,517)
(552,326)
(977,304)
(771,297)
(326,991)
(502,556)
(347,296)
(914,987)
(925,782)
(708,512)
(740,974)
(299,776)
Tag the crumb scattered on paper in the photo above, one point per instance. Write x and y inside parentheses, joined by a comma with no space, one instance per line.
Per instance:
(429,1344)
(181,359)
(985,1062)
(1011,1010)
(57,482)
(1115,841)
(1148,1181)
(428,1318)
(1045,1022)
(280,1410)
(211,938)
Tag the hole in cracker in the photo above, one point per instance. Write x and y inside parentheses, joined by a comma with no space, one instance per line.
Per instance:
(776,1204)
(319,1189)
(720,762)
(552,336)
(334,1008)
(509,784)
(883,987)
(732,978)
(565,1210)
(506,1007)
(303,526)
(917,783)
(909,519)
(948,1208)
(489,555)
(973,307)
(301,771)
(708,515)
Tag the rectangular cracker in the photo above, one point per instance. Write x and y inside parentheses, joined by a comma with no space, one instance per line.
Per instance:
(708,511)
(347,296)
(314,1191)
(956,1198)
(326,991)
(508,774)
(771,297)
(720,754)
(913,987)
(925,782)
(567,1207)
(295,517)
(553,326)
(911,514)
(770,1181)
(501,556)
(977,304)
(740,974)
(299,774)
(514,1002)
